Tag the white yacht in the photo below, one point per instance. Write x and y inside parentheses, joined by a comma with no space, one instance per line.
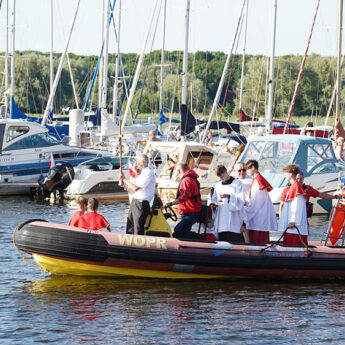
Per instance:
(26,151)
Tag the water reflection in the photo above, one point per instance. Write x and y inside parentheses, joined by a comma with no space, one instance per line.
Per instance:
(191,311)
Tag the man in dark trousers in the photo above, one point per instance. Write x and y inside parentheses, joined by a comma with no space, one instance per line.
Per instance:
(188,199)
(142,189)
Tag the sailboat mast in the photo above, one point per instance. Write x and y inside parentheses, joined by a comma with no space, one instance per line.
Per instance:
(162,55)
(100,70)
(140,62)
(225,70)
(6,60)
(244,55)
(185,56)
(271,78)
(59,70)
(105,58)
(13,45)
(51,48)
(117,67)
(340,34)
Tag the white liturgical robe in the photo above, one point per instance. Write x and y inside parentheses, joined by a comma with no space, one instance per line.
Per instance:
(294,211)
(228,215)
(259,213)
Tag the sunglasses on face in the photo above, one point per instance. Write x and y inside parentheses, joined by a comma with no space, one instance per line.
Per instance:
(241,170)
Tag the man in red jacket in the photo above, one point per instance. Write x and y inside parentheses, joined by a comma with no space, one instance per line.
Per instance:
(188,199)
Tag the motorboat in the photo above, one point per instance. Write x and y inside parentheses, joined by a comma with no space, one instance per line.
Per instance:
(314,155)
(62,249)
(98,177)
(202,158)
(27,151)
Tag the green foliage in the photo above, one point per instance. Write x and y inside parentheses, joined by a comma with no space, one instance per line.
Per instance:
(204,73)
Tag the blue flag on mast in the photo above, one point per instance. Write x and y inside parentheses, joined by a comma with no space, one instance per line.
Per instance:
(163,119)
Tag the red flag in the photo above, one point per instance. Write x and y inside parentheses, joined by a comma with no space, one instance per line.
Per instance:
(132,170)
(243,117)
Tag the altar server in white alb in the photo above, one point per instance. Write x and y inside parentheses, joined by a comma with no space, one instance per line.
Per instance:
(260,217)
(228,200)
(293,209)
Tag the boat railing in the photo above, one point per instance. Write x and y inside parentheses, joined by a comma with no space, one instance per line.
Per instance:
(93,160)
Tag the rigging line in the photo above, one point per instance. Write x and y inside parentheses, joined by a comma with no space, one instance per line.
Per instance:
(122,69)
(258,88)
(205,81)
(301,70)
(231,69)
(148,63)
(97,65)
(68,61)
(174,93)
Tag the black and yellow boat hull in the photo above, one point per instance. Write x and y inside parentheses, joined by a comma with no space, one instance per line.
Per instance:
(62,249)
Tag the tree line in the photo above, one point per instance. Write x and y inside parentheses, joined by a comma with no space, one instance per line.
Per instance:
(204,73)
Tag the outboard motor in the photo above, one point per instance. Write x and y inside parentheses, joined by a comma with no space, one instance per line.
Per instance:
(59,177)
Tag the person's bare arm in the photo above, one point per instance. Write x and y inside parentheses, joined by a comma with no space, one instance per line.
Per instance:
(328,196)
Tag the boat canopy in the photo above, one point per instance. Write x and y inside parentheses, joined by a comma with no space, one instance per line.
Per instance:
(313,155)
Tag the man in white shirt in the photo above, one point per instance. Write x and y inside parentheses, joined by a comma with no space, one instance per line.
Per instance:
(228,198)
(142,189)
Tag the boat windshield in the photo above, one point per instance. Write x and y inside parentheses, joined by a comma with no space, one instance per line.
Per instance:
(272,156)
(33,141)
(318,153)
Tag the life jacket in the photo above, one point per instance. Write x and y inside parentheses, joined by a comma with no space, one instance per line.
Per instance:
(194,197)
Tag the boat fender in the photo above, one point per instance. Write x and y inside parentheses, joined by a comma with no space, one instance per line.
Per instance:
(337,228)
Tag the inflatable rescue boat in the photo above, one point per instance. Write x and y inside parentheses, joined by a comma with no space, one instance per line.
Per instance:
(62,249)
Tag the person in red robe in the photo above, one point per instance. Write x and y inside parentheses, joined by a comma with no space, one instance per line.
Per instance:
(93,220)
(82,207)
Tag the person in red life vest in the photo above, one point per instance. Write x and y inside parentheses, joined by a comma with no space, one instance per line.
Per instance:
(293,213)
(188,199)
(259,214)
(93,220)
(82,207)
(311,192)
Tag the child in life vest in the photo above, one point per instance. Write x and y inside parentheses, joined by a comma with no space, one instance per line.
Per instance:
(93,220)
(82,207)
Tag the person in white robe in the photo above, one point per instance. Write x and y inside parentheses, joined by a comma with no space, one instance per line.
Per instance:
(228,199)
(260,217)
(293,209)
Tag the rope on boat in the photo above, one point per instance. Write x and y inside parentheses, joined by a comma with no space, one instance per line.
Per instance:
(301,71)
(15,246)
(308,251)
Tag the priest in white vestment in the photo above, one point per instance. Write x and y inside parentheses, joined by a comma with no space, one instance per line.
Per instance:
(260,217)
(228,199)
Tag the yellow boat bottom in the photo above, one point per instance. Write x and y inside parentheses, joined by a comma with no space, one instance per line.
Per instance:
(59,266)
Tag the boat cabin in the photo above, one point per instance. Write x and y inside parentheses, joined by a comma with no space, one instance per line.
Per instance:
(273,152)
(202,158)
(314,155)
(18,135)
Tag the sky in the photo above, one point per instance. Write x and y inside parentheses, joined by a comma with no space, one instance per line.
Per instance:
(212,26)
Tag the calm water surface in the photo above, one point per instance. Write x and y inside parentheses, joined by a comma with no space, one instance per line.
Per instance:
(38,309)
